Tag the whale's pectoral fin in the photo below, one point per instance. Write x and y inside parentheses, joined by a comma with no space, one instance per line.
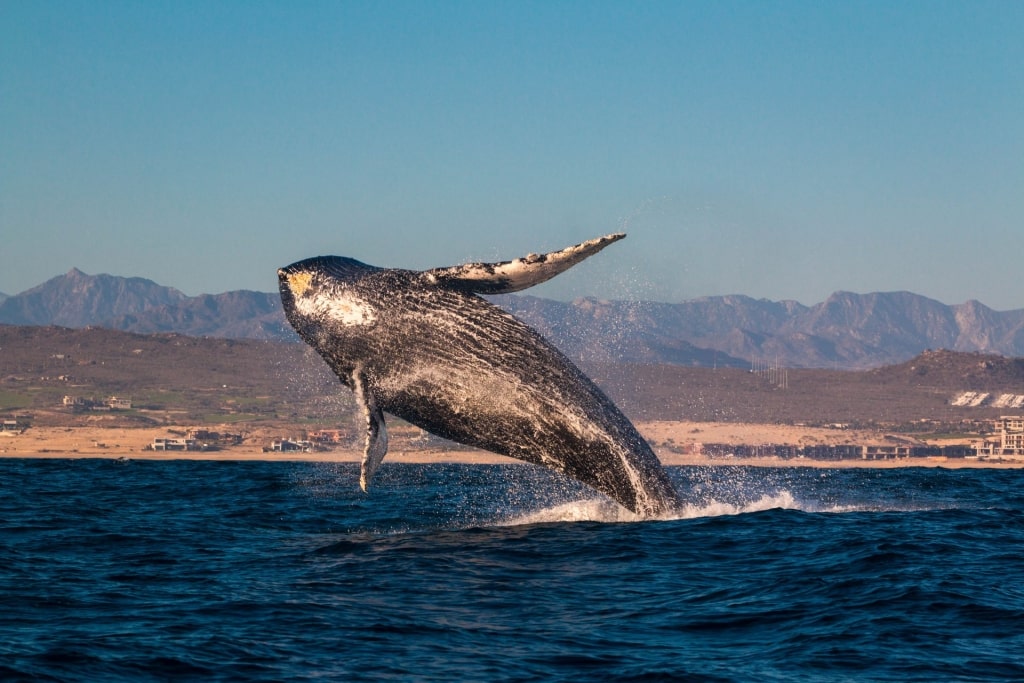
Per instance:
(376,447)
(514,276)
(376,433)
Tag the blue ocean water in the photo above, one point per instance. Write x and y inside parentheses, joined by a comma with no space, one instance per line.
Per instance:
(264,571)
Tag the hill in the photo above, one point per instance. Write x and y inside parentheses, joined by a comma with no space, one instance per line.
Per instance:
(76,300)
(169,377)
(174,378)
(850,331)
(911,396)
(233,315)
(846,331)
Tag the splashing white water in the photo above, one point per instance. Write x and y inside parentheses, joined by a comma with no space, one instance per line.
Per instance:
(590,510)
(600,510)
(780,500)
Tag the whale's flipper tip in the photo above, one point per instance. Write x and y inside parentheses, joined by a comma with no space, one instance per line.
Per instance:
(513,276)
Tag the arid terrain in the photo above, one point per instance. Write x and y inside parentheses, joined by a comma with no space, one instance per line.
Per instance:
(267,391)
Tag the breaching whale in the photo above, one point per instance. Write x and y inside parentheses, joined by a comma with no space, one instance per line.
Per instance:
(423,346)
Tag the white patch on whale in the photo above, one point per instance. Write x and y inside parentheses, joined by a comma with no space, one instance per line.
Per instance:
(342,307)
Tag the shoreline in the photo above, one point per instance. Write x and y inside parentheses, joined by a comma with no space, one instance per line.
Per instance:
(669,437)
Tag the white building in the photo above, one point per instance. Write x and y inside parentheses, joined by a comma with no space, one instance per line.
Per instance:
(1007,438)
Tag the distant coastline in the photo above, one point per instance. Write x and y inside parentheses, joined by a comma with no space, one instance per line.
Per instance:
(670,441)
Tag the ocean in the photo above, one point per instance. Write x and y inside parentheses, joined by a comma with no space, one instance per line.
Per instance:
(283,571)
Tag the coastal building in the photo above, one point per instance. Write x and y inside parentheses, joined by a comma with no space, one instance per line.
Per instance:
(893,451)
(18,423)
(119,403)
(291,446)
(329,436)
(112,403)
(1011,432)
(1007,439)
(177,444)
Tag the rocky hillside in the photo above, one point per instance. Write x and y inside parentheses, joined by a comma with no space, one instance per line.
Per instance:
(235,315)
(77,300)
(210,380)
(851,331)
(846,331)
(139,305)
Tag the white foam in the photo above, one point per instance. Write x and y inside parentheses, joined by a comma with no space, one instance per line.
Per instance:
(591,510)
(781,500)
(602,510)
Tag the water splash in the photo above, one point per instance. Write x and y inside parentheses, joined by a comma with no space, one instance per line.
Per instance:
(606,511)
(417,498)
(783,500)
(589,510)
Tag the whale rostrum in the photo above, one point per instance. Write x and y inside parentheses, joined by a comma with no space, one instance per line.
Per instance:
(425,347)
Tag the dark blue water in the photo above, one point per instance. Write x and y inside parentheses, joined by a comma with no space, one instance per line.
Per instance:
(286,571)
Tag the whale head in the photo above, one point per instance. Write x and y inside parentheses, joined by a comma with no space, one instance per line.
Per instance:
(320,296)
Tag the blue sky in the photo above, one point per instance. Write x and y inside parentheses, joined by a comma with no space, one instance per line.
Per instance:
(783,150)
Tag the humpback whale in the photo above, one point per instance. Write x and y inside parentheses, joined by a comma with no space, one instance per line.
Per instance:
(425,347)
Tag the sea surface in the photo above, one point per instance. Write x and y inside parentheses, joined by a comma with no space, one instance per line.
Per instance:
(272,571)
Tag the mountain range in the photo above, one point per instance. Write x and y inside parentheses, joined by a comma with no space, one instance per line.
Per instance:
(135,304)
(846,331)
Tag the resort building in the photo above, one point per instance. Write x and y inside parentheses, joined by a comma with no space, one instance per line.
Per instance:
(112,403)
(290,445)
(1007,439)
(164,444)
(119,403)
(18,423)
(329,436)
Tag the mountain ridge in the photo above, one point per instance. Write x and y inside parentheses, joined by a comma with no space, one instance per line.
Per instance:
(846,331)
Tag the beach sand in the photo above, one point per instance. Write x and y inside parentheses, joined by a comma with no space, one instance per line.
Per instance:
(672,444)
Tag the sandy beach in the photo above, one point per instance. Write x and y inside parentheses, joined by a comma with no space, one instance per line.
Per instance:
(672,443)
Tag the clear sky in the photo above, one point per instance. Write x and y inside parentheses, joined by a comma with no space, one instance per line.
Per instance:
(782,150)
